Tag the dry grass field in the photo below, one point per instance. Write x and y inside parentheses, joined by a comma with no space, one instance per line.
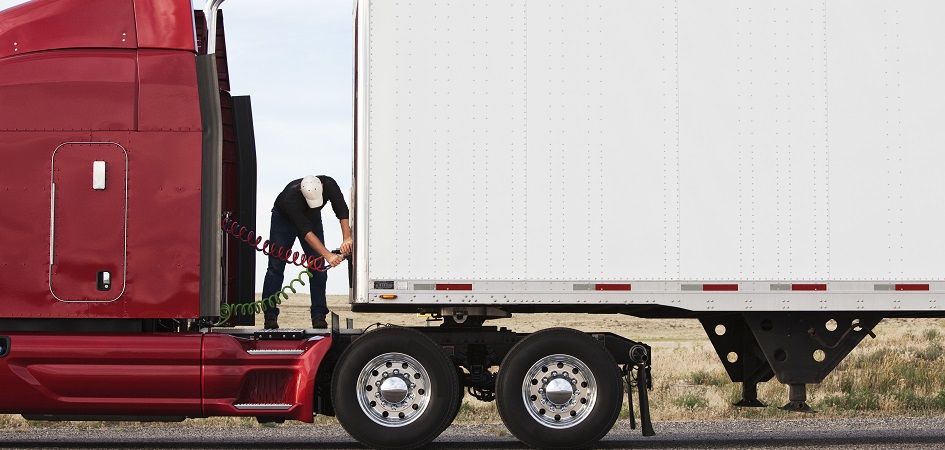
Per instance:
(898,373)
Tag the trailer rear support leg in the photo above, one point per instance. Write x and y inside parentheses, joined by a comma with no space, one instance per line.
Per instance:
(803,347)
(750,396)
(797,399)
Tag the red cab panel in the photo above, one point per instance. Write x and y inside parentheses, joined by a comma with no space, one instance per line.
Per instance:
(89,215)
(165,24)
(25,217)
(60,24)
(69,90)
(154,374)
(163,225)
(167,94)
(163,238)
(244,377)
(108,253)
(159,374)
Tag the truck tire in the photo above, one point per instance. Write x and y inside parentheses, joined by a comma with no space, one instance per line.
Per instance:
(460,395)
(559,388)
(394,388)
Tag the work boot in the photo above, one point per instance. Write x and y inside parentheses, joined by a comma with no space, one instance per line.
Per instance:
(319,322)
(271,323)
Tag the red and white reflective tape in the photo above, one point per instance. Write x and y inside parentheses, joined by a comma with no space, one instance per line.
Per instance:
(659,286)
(443,286)
(602,287)
(709,287)
(901,287)
(799,287)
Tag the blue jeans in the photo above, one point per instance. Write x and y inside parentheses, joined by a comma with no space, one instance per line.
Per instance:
(283,234)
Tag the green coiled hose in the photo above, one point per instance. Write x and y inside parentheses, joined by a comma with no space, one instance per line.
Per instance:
(227,311)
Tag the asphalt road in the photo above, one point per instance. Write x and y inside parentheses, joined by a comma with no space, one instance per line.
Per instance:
(849,434)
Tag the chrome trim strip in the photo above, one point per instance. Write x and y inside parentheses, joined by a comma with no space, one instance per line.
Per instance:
(275,352)
(263,406)
(210,15)
(52,225)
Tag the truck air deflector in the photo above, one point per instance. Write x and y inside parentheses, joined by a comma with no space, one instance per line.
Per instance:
(211,185)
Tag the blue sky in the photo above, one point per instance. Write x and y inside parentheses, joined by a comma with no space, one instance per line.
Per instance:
(295,59)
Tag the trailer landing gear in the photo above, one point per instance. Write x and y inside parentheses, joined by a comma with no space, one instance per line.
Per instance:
(797,399)
(750,396)
(797,347)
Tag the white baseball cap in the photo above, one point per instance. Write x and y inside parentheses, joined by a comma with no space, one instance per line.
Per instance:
(312,190)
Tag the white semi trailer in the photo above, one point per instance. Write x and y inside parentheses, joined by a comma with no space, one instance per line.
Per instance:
(770,168)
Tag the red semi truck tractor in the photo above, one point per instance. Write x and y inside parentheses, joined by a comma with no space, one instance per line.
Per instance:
(657,159)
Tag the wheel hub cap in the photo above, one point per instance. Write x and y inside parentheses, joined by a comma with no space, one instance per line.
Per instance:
(559,391)
(393,389)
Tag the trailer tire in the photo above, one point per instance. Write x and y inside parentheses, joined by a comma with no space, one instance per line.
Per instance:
(559,388)
(394,388)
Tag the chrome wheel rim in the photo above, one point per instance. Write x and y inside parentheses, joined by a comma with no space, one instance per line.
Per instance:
(393,389)
(559,391)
